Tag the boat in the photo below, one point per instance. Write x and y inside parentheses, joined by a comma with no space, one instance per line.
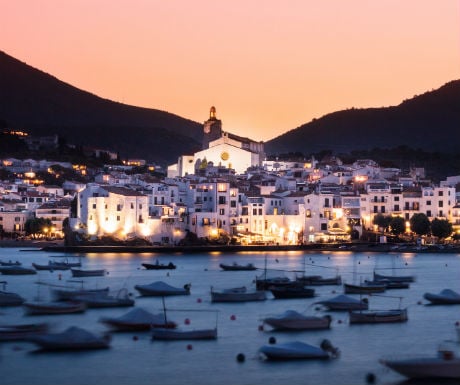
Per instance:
(236,267)
(160,288)
(65,262)
(293,320)
(21,331)
(445,297)
(17,270)
(444,365)
(318,280)
(71,294)
(87,273)
(138,319)
(175,334)
(51,266)
(159,266)
(267,283)
(390,284)
(344,303)
(104,299)
(181,334)
(295,291)
(54,308)
(8,298)
(364,288)
(10,263)
(296,350)
(394,278)
(377,316)
(237,294)
(73,338)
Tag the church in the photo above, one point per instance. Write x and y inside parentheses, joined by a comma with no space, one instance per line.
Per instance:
(221,148)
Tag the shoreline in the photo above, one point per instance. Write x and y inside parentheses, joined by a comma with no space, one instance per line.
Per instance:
(58,246)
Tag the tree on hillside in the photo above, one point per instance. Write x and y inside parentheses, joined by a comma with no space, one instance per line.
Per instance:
(397,225)
(420,224)
(441,228)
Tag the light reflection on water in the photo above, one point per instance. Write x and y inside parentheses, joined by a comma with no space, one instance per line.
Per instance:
(142,361)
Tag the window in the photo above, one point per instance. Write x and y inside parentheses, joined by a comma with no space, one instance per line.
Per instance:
(222,200)
(221,211)
(428,213)
(382,209)
(440,193)
(428,203)
(155,200)
(140,219)
(440,204)
(396,199)
(140,206)
(396,208)
(17,219)
(118,207)
(254,211)
(260,211)
(105,206)
(132,205)
(94,205)
(323,226)
(118,218)
(39,200)
(232,203)
(376,209)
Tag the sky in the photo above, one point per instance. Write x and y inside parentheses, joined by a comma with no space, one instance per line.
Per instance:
(268,66)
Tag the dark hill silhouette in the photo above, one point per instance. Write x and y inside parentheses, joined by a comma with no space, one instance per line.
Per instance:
(430,121)
(43,105)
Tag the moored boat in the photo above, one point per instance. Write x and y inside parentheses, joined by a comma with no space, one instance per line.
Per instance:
(138,319)
(70,294)
(87,273)
(296,350)
(445,297)
(181,334)
(238,294)
(293,320)
(10,263)
(444,365)
(318,280)
(73,338)
(344,303)
(364,288)
(51,266)
(378,316)
(104,299)
(16,270)
(159,266)
(236,267)
(294,291)
(394,278)
(54,308)
(160,288)
(21,332)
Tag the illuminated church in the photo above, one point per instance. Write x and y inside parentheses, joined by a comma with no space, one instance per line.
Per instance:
(222,149)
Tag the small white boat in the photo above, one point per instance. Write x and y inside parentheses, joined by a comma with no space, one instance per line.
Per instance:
(377,316)
(237,294)
(445,365)
(104,299)
(394,278)
(160,288)
(88,273)
(296,350)
(293,320)
(183,334)
(445,297)
(344,303)
(51,308)
(74,338)
(138,319)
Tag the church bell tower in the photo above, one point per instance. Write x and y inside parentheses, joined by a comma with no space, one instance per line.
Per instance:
(212,128)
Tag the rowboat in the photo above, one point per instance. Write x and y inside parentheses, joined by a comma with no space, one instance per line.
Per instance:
(292,320)
(160,288)
(54,308)
(236,267)
(237,294)
(88,273)
(377,316)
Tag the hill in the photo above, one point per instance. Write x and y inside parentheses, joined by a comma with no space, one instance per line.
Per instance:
(40,104)
(429,122)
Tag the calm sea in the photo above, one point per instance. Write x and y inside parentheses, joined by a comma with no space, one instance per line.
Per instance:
(134,359)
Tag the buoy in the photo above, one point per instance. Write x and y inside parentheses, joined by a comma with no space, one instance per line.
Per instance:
(198,300)
(339,321)
(419,302)
(240,357)
(333,291)
(135,338)
(370,378)
(233,317)
(60,277)
(261,328)
(187,321)
(457,323)
(272,340)
(108,273)
(189,347)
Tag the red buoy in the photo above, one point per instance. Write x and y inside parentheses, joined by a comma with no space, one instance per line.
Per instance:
(198,300)
(233,317)
(261,328)
(189,347)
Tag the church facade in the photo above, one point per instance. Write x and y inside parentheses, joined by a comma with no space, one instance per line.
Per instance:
(222,149)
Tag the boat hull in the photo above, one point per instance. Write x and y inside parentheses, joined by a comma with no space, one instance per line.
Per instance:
(436,367)
(54,308)
(176,334)
(363,289)
(384,316)
(238,297)
(292,292)
(308,323)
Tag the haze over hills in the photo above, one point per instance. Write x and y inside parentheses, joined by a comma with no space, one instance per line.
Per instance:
(39,103)
(430,122)
(43,105)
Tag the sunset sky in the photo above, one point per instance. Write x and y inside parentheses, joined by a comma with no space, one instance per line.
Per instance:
(268,65)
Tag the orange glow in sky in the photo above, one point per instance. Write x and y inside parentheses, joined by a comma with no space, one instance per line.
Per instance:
(267,65)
